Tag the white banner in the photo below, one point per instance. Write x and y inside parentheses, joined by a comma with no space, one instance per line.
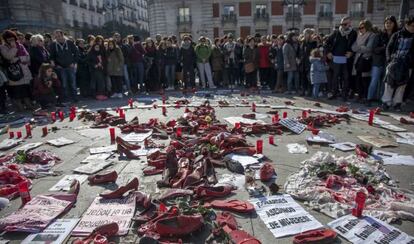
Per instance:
(368,230)
(283,216)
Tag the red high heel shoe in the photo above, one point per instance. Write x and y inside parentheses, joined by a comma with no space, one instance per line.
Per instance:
(103,178)
(118,193)
(106,230)
(126,144)
(124,151)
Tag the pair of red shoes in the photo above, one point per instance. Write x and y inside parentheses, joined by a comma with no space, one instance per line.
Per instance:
(103,178)
(231,205)
(118,193)
(315,236)
(213,191)
(228,224)
(99,234)
(267,172)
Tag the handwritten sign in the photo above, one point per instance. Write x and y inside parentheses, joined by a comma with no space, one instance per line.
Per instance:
(105,211)
(283,216)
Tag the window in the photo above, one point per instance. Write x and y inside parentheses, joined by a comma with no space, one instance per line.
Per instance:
(357,7)
(228,10)
(261,9)
(92,20)
(183,14)
(74,15)
(325,7)
(292,9)
(83,18)
(99,21)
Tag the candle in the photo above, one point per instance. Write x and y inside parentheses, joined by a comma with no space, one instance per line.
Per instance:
(271,140)
(61,115)
(237,125)
(44,130)
(19,134)
(164,111)
(253,107)
(178,132)
(53,115)
(130,102)
(11,134)
(28,130)
(71,116)
(371,117)
(112,133)
(259,146)
(304,114)
(24,192)
(284,115)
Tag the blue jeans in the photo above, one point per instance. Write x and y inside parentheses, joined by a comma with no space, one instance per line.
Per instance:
(292,79)
(68,78)
(315,90)
(376,75)
(137,75)
(170,74)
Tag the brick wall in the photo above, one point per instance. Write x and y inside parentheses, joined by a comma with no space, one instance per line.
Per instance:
(277,29)
(341,6)
(309,7)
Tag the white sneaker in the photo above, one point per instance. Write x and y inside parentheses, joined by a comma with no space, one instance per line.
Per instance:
(115,95)
(120,95)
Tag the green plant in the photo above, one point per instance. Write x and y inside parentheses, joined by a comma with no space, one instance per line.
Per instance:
(21,157)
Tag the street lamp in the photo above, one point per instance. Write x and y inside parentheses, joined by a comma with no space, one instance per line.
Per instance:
(294,3)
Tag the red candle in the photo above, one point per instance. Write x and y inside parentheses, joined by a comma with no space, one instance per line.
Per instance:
(112,133)
(19,134)
(44,130)
(24,192)
(284,115)
(371,117)
(121,113)
(259,146)
(271,140)
(130,102)
(253,107)
(163,99)
(53,115)
(237,125)
(71,116)
(164,111)
(178,132)
(304,114)
(359,204)
(61,115)
(28,130)
(11,134)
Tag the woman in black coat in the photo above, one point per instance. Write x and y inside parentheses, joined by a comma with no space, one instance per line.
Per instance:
(82,73)
(38,54)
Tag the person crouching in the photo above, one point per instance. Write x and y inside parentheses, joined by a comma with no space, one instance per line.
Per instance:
(47,88)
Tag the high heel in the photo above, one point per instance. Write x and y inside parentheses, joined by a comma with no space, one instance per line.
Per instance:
(122,150)
(126,144)
(118,193)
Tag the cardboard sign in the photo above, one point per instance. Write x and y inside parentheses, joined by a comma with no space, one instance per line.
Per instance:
(283,216)
(64,183)
(233,120)
(293,125)
(56,233)
(368,230)
(93,167)
(105,149)
(96,157)
(378,141)
(61,141)
(344,146)
(136,137)
(105,211)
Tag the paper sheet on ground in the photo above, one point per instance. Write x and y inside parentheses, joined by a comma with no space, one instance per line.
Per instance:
(104,211)
(398,117)
(64,183)
(231,179)
(321,137)
(55,233)
(365,117)
(29,146)
(405,138)
(104,149)
(144,151)
(96,157)
(297,148)
(93,167)
(61,141)
(368,230)
(7,144)
(378,141)
(233,120)
(136,137)
(390,158)
(344,146)
(243,159)
(293,125)
(283,216)
(393,128)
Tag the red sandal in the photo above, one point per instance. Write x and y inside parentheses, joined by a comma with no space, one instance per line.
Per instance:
(231,205)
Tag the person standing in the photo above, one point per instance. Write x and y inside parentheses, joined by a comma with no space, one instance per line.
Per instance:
(38,54)
(307,45)
(264,62)
(231,61)
(136,57)
(83,77)
(188,58)
(64,55)
(378,57)
(338,47)
(115,68)
(217,63)
(251,58)
(290,64)
(125,48)
(151,75)
(276,57)
(203,52)
(318,70)
(16,61)
(238,53)
(96,64)
(399,55)
(170,56)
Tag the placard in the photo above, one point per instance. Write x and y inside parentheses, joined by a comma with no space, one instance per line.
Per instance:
(64,183)
(56,233)
(293,125)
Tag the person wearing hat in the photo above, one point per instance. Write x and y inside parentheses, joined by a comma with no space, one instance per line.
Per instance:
(17,59)
(187,58)
(203,53)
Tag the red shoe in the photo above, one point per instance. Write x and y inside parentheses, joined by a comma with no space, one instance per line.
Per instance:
(124,151)
(118,193)
(213,191)
(226,218)
(173,193)
(158,163)
(249,116)
(179,225)
(315,236)
(103,178)
(412,115)
(152,171)
(242,237)
(106,230)
(342,109)
(405,121)
(267,172)
(74,187)
(142,199)
(232,205)
(126,144)
(149,213)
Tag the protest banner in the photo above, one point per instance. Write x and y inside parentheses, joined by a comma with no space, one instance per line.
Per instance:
(368,229)
(104,211)
(56,233)
(283,216)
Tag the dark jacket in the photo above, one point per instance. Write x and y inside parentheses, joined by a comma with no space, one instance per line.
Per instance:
(217,58)
(170,55)
(38,56)
(115,62)
(238,52)
(338,45)
(304,53)
(251,55)
(276,56)
(64,54)
(41,89)
(136,54)
(94,58)
(126,49)
(187,56)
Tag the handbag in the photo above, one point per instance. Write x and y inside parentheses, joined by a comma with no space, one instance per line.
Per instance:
(14,71)
(249,67)
(363,64)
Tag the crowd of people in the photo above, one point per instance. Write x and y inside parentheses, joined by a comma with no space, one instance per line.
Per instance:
(366,63)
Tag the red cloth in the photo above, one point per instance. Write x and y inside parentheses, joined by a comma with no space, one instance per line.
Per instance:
(264,61)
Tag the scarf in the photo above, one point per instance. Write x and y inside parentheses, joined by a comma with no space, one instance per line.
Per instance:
(362,38)
(344,32)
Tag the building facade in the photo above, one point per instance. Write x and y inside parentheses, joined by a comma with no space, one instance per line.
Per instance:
(215,18)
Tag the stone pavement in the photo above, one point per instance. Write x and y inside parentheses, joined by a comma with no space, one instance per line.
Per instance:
(284,162)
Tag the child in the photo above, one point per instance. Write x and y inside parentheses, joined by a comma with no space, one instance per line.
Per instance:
(46,87)
(317,71)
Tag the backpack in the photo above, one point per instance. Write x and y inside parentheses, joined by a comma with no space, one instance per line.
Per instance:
(14,71)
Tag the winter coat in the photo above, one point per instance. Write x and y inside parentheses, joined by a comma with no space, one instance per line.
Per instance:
(94,58)
(378,49)
(318,71)
(16,54)
(115,62)
(64,54)
(276,55)
(338,45)
(38,56)
(187,56)
(289,57)
(229,50)
(136,54)
(217,58)
(41,89)
(264,61)
(304,53)
(363,49)
(251,55)
(238,53)
(203,53)
(170,55)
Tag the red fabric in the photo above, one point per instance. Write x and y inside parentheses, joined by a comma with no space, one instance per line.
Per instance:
(264,61)
(41,89)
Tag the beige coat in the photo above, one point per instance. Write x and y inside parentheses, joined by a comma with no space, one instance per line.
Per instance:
(10,55)
(115,63)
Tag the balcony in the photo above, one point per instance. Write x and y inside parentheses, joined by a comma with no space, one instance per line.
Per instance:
(261,17)
(76,24)
(357,14)
(325,16)
(83,5)
(92,8)
(183,19)
(73,2)
(294,16)
(99,10)
(228,18)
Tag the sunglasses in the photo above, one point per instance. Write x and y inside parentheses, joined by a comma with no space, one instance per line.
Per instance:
(361,27)
(344,24)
